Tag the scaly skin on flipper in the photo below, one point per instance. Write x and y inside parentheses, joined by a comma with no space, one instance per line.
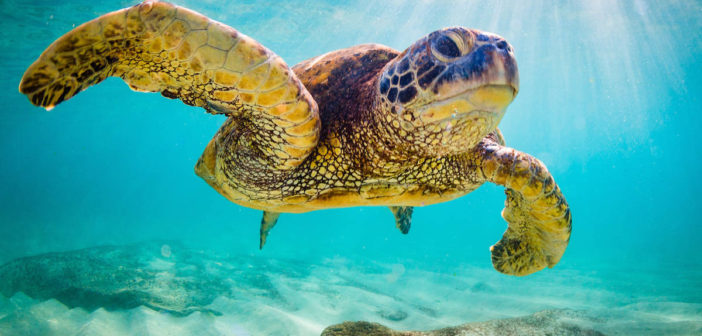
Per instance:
(159,47)
(538,215)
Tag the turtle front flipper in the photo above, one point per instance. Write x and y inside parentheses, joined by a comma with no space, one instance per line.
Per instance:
(538,215)
(159,47)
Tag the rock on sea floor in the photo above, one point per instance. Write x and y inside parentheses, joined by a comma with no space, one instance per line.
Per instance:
(169,289)
(548,322)
(114,279)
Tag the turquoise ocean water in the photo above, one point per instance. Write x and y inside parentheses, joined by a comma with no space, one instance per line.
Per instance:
(609,101)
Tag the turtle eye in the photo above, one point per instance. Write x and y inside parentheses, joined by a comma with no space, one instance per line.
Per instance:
(448,46)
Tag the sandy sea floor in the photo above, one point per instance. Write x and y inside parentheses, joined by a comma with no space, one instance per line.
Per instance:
(167,289)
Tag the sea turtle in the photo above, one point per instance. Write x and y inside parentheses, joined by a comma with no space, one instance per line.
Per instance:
(366,125)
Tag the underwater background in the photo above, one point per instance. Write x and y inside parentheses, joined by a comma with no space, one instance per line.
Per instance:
(609,101)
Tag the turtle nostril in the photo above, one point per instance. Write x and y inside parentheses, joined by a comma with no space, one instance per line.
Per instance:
(502,45)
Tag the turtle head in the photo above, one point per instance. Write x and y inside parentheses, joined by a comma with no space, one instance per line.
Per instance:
(448,90)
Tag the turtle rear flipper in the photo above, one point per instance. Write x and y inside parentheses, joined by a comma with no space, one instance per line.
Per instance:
(403,217)
(537,213)
(268,221)
(159,47)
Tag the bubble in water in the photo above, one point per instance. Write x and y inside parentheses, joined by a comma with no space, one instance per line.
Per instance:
(166,251)
(397,271)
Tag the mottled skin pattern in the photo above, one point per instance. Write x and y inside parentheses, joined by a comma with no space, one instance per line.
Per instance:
(365,125)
